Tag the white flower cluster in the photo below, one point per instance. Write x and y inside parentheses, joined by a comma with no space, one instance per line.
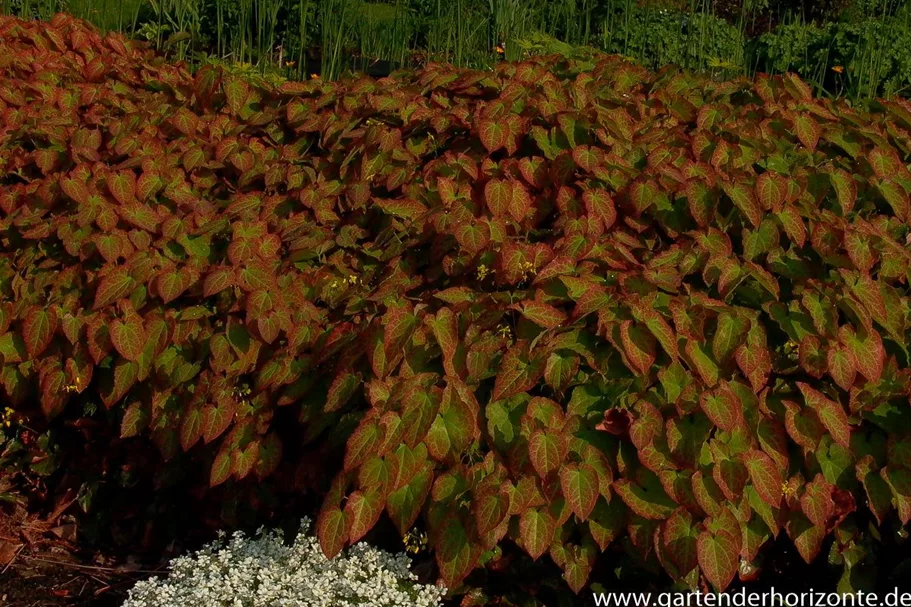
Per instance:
(264,572)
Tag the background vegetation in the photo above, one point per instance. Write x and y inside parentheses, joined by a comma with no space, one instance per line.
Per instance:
(853,48)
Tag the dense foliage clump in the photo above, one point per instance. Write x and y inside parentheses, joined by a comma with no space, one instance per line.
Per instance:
(569,303)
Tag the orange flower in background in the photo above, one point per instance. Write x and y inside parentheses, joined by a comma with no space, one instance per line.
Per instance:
(500,50)
(838,68)
(314,76)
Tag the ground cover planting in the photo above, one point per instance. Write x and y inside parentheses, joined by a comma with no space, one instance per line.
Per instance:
(553,311)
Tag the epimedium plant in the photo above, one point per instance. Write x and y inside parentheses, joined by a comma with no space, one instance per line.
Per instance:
(566,304)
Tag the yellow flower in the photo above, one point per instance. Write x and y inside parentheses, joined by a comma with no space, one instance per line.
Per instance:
(499,49)
(483,271)
(290,63)
(314,76)
(415,541)
(838,68)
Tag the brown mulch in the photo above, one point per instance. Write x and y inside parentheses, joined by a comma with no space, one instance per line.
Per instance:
(41,566)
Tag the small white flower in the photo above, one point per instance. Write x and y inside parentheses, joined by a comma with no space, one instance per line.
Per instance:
(263,572)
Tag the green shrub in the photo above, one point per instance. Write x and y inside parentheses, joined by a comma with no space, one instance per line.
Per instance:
(562,306)
(864,58)
(692,40)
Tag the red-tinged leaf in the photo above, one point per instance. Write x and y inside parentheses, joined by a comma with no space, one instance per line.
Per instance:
(341,390)
(806,536)
(236,91)
(816,502)
(472,236)
(517,373)
(644,194)
(744,199)
(587,157)
(454,553)
(845,189)
(134,421)
(807,130)
(765,476)
(217,280)
(363,444)
(244,460)
(897,197)
(113,287)
(494,134)
(650,502)
(867,349)
(221,468)
(75,189)
(122,185)
(841,366)
(798,89)
(885,162)
(701,202)
(541,314)
(680,536)
(771,190)
(793,226)
(718,556)
(129,337)
(536,531)
(362,510)
(404,504)
(402,207)
(730,332)
(170,285)
(580,488)
(703,363)
(490,507)
(215,420)
(332,531)
(755,362)
(663,332)
(639,346)
(38,330)
(547,452)
(598,204)
(722,407)
(190,427)
(830,413)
